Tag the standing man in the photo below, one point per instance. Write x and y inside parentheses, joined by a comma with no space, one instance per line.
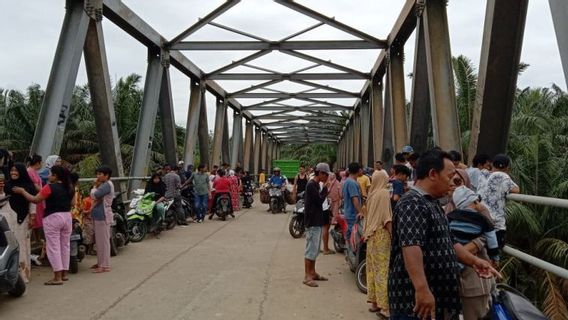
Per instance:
(364,183)
(300,181)
(423,280)
(173,185)
(480,170)
(202,191)
(352,202)
(494,191)
(261,177)
(314,221)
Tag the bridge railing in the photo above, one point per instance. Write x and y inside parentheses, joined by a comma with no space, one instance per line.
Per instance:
(539,263)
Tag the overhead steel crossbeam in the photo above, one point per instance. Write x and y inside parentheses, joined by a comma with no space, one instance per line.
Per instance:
(316,106)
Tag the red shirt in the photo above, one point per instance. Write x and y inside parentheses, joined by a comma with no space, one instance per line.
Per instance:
(222,185)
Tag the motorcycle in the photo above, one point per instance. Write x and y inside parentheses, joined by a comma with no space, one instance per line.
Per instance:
(248,196)
(10,279)
(188,201)
(277,203)
(78,247)
(297,226)
(223,206)
(338,234)
(141,218)
(119,236)
(357,256)
(170,218)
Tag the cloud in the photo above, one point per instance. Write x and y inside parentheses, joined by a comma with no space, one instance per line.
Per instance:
(31,31)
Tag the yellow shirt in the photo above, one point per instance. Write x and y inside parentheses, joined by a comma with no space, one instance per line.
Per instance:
(261,178)
(364,184)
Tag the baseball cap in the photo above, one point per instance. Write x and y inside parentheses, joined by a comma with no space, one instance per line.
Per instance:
(463,197)
(407,149)
(323,167)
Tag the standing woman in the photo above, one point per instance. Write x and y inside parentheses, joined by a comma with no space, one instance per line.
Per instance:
(334,195)
(102,194)
(34,165)
(25,214)
(58,195)
(235,185)
(377,232)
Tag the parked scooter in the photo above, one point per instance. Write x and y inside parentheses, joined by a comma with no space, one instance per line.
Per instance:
(277,203)
(119,236)
(357,256)
(78,247)
(170,218)
(338,234)
(141,218)
(10,279)
(223,206)
(297,226)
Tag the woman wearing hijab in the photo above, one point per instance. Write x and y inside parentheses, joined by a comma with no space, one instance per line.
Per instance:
(235,185)
(158,187)
(53,160)
(334,195)
(25,214)
(377,232)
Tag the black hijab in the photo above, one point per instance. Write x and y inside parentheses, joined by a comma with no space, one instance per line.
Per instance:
(18,202)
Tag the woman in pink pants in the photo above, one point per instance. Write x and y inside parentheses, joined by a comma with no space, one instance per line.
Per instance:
(58,195)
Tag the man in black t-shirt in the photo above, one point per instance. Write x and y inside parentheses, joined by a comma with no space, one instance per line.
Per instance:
(314,221)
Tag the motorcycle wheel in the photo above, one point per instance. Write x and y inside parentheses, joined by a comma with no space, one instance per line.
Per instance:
(19,288)
(274,206)
(170,220)
(338,247)
(73,264)
(296,228)
(361,276)
(113,245)
(137,230)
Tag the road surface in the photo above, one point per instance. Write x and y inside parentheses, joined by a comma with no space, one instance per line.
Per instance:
(245,268)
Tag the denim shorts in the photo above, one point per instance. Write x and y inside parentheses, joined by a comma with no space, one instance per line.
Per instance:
(313,240)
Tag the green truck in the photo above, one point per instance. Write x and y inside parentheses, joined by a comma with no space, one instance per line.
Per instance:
(289,168)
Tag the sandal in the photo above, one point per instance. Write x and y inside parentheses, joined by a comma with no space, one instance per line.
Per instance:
(53,283)
(374,310)
(95,266)
(310,283)
(320,278)
(65,279)
(329,252)
(100,270)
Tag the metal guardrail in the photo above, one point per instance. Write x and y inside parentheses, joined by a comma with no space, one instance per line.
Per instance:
(544,265)
(115,179)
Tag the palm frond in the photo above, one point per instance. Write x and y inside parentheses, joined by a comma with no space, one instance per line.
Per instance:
(554,305)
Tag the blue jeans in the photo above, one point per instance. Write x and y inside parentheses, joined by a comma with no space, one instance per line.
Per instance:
(201,205)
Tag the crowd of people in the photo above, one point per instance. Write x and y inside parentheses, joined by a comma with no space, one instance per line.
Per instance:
(41,199)
(42,202)
(433,228)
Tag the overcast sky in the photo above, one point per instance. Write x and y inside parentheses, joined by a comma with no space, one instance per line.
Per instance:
(31,30)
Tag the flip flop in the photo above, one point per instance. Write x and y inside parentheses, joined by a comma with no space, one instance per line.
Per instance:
(53,283)
(95,266)
(328,252)
(320,278)
(374,310)
(65,279)
(310,283)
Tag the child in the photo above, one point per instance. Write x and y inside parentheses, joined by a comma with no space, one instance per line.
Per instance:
(468,223)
